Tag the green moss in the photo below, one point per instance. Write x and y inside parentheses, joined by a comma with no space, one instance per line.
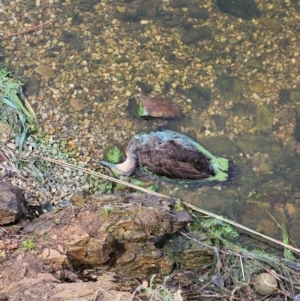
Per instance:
(113,155)
(140,108)
(2,256)
(29,244)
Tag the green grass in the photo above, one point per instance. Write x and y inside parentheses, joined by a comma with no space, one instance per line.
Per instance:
(29,244)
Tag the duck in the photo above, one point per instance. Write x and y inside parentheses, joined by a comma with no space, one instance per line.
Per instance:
(170,155)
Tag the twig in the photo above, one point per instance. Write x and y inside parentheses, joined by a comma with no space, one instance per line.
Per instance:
(27,30)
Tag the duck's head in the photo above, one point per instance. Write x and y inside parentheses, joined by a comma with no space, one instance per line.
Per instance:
(126,168)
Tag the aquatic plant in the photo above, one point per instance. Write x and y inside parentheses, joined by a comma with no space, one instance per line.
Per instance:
(12,109)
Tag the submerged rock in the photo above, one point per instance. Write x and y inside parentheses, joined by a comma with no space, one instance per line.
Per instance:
(195,35)
(157,107)
(245,9)
(231,88)
(271,23)
(255,63)
(297,128)
(264,119)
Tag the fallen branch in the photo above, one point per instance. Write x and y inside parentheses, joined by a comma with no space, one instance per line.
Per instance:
(26,30)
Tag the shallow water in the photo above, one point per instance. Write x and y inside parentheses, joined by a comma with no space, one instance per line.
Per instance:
(235,78)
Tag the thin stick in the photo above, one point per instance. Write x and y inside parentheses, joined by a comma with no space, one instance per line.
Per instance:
(221,218)
(228,221)
(97,174)
(26,30)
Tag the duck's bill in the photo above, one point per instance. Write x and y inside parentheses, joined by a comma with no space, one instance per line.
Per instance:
(111,167)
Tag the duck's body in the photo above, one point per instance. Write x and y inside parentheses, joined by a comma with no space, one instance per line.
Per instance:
(171,155)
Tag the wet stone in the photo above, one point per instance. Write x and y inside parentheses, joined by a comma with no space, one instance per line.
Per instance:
(271,23)
(256,88)
(243,109)
(255,63)
(178,3)
(264,119)
(295,95)
(297,129)
(220,146)
(195,35)
(284,96)
(156,107)
(220,121)
(200,96)
(251,144)
(87,5)
(245,9)
(231,88)
(205,56)
(145,87)
(148,9)
(45,71)
(77,104)
(77,19)
(198,13)
(31,86)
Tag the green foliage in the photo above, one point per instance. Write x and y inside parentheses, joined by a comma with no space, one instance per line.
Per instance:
(219,228)
(106,211)
(98,184)
(2,256)
(152,187)
(140,109)
(158,292)
(12,109)
(263,253)
(252,193)
(57,221)
(177,205)
(29,244)
(113,155)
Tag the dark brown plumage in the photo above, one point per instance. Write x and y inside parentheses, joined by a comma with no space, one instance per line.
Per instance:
(172,155)
(172,160)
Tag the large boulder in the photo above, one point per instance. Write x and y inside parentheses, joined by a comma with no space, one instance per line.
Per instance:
(12,204)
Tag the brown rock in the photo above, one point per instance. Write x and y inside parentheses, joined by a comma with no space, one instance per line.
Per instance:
(156,107)
(45,71)
(128,237)
(47,277)
(291,210)
(77,104)
(273,24)
(78,198)
(103,289)
(85,250)
(256,88)
(12,204)
(54,256)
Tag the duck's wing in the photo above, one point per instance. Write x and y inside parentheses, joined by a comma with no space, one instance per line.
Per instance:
(176,160)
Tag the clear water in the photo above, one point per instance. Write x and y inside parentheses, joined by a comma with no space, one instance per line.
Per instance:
(235,80)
